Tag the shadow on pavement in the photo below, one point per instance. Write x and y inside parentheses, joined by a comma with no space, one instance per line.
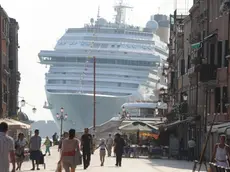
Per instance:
(176,164)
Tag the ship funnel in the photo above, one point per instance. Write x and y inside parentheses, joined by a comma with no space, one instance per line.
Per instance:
(163,26)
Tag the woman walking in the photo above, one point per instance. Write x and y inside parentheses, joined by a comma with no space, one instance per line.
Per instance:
(70,153)
(47,143)
(102,151)
(19,150)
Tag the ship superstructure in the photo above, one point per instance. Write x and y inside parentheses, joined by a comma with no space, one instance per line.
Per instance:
(124,56)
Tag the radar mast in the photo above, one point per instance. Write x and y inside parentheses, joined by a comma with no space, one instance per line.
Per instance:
(120,9)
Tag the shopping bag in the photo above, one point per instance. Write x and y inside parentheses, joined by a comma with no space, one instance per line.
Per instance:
(209,170)
(59,168)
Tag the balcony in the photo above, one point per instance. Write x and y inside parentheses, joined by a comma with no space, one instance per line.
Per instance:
(219,118)
(207,72)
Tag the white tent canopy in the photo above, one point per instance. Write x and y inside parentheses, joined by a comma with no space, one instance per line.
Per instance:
(144,105)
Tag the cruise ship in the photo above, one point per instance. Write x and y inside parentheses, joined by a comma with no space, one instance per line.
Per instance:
(117,57)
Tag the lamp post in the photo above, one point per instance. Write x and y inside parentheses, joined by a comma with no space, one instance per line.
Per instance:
(62,118)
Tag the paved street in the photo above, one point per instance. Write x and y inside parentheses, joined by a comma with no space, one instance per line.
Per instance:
(135,165)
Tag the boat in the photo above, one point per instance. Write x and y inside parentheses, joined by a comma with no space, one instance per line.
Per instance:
(119,55)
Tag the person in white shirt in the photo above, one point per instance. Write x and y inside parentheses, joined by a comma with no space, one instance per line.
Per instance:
(221,153)
(102,150)
(20,149)
(191,147)
(109,144)
(6,149)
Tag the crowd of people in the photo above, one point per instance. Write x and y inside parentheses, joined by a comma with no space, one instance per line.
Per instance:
(73,151)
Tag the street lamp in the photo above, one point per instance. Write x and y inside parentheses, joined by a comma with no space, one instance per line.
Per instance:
(61,117)
(23,103)
(185,96)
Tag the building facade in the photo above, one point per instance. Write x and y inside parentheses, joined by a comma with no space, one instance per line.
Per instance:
(9,75)
(13,66)
(4,62)
(200,68)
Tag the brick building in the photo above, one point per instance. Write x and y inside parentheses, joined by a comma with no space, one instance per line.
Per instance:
(199,67)
(9,75)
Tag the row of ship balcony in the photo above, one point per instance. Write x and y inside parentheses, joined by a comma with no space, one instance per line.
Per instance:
(87,88)
(111,47)
(104,54)
(108,71)
(98,78)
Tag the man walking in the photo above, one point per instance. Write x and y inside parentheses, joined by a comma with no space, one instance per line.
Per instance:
(191,149)
(109,143)
(6,149)
(35,152)
(119,148)
(86,144)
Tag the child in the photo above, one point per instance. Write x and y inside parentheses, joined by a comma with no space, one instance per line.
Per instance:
(102,151)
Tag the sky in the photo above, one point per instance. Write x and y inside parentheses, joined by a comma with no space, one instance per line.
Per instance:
(43,22)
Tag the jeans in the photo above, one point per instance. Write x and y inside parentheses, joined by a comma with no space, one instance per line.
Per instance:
(47,150)
(86,158)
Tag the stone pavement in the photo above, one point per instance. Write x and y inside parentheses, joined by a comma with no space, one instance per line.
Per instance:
(135,165)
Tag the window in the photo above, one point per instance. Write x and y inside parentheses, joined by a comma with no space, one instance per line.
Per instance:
(225,99)
(5,95)
(219,54)
(217,100)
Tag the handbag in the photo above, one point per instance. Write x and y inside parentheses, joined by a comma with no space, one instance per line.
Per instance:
(78,158)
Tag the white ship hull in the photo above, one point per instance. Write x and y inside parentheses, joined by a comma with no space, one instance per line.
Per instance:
(79,108)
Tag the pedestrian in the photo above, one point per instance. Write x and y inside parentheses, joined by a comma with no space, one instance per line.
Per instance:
(119,144)
(221,153)
(109,144)
(93,143)
(65,136)
(6,149)
(35,149)
(70,153)
(20,145)
(191,149)
(47,143)
(86,144)
(102,151)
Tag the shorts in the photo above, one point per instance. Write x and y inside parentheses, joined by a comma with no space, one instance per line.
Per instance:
(102,152)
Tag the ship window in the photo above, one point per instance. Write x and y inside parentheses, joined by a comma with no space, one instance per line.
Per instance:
(118,46)
(112,46)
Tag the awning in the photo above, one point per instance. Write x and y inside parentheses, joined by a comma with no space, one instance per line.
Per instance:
(196,45)
(178,122)
(223,128)
(139,126)
(15,124)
